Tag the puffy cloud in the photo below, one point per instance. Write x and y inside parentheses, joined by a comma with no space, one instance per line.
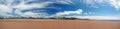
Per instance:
(79,11)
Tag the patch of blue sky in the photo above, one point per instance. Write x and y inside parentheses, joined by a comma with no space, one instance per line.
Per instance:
(99,9)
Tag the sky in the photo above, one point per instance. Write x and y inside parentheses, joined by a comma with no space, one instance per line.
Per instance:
(55,8)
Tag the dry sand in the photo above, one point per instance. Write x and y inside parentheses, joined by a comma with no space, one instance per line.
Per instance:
(58,24)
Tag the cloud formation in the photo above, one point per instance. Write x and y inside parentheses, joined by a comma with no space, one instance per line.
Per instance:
(98,17)
(15,7)
(114,3)
(79,11)
(40,8)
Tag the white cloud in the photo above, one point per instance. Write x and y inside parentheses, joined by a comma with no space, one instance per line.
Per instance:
(7,7)
(65,1)
(32,14)
(98,17)
(115,3)
(92,2)
(79,11)
(4,8)
(23,6)
(89,1)
(29,14)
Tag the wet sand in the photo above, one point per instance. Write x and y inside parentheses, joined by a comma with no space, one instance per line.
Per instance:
(58,24)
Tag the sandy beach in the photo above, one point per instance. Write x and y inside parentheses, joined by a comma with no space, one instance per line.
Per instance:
(57,24)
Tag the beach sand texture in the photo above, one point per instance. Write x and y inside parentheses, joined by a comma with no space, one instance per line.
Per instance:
(58,24)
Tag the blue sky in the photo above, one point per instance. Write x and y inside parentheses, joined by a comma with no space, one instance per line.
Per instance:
(46,8)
